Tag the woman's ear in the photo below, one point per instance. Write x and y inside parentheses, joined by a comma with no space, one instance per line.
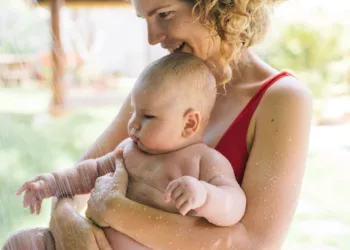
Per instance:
(192,120)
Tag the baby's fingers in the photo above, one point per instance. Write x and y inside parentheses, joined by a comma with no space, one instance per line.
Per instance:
(40,184)
(24,187)
(38,206)
(32,205)
(181,200)
(28,196)
(186,207)
(169,190)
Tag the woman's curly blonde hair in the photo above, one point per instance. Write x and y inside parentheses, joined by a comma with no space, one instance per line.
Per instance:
(239,23)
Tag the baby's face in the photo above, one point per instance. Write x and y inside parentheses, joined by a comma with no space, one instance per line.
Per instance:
(157,123)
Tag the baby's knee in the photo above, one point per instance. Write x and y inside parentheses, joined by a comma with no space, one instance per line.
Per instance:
(31,239)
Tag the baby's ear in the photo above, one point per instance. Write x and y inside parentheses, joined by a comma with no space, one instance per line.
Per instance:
(192,120)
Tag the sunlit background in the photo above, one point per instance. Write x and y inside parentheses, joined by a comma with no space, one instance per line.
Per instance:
(106,48)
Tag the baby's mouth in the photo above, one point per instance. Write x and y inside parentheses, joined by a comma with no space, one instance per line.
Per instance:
(135,139)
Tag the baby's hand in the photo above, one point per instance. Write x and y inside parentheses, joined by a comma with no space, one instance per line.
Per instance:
(42,186)
(187,192)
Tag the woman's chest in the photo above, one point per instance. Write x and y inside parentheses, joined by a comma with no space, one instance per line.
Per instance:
(224,114)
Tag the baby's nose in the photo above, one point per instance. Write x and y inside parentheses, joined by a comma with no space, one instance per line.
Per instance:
(132,131)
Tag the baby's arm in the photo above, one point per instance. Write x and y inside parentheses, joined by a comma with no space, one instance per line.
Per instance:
(79,179)
(216,196)
(225,202)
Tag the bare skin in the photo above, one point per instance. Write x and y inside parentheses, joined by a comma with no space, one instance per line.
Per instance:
(149,184)
(277,142)
(264,184)
(271,184)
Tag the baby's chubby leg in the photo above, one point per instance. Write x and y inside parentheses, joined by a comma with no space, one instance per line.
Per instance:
(31,239)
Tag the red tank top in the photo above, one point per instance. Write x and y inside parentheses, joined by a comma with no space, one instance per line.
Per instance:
(233,145)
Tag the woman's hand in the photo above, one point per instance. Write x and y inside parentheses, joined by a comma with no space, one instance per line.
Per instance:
(106,188)
(72,231)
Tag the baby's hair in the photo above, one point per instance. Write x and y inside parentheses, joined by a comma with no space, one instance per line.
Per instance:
(187,73)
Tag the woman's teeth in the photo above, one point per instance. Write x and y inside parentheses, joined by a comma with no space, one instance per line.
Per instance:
(178,48)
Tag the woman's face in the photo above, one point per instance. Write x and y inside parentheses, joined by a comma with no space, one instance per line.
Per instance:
(171,23)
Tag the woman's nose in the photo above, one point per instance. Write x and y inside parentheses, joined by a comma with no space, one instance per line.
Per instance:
(155,34)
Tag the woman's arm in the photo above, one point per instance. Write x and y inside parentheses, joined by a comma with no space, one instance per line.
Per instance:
(271,183)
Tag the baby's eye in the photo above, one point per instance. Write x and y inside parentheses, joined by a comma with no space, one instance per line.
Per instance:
(149,117)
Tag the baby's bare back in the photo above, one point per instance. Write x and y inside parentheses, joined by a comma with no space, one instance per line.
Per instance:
(149,175)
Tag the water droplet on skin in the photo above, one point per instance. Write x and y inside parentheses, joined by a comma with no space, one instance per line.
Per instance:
(177,235)
(145,208)
(170,243)
(113,210)
(160,217)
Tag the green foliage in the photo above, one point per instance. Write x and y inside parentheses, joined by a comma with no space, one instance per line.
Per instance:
(28,147)
(310,52)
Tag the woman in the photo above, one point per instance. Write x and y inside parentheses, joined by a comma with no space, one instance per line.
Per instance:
(260,122)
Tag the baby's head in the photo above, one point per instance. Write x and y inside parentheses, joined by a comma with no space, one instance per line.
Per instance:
(172,100)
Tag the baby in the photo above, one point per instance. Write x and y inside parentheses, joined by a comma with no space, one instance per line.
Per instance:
(169,166)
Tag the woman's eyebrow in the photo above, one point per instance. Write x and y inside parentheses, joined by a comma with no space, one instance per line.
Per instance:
(152,12)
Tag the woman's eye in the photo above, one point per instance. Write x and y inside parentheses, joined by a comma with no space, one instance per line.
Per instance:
(164,14)
(149,116)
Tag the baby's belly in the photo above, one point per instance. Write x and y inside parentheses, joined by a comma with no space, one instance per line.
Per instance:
(119,241)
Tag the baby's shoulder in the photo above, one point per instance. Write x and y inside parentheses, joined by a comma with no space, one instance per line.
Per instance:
(208,154)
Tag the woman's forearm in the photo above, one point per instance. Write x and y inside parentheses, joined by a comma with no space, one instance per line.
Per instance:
(161,230)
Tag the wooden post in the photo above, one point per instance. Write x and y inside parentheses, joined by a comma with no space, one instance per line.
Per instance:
(58,62)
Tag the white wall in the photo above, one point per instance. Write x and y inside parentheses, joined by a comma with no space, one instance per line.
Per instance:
(120,38)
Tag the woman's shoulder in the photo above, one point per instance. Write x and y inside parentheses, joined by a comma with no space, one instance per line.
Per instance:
(287,92)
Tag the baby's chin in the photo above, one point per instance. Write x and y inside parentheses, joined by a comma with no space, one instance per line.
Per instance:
(149,150)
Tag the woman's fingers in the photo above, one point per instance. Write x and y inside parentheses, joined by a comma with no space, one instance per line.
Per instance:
(101,240)
(119,154)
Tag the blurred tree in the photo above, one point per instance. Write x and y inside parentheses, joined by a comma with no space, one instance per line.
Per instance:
(310,52)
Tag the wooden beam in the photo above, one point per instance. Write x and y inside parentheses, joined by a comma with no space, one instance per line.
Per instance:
(87,3)
(58,91)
